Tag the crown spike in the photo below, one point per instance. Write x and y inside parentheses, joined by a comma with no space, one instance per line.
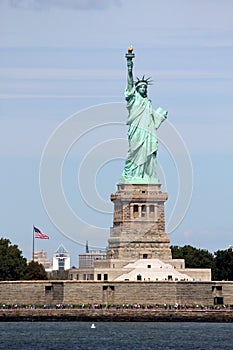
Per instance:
(144,80)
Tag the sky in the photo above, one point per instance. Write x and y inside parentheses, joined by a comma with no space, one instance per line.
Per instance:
(63,136)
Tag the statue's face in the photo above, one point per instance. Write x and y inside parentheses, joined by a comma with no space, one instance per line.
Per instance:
(142,89)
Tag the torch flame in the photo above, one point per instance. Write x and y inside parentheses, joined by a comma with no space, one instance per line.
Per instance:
(130,49)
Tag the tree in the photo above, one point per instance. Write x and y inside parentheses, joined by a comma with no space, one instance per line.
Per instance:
(35,271)
(194,258)
(223,265)
(12,264)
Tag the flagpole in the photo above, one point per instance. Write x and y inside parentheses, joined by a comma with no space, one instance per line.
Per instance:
(33,238)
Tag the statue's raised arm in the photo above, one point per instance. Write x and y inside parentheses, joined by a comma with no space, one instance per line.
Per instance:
(143,120)
(129,56)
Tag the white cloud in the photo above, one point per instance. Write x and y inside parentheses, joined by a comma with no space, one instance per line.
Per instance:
(71,4)
(59,73)
(51,96)
(163,23)
(109,74)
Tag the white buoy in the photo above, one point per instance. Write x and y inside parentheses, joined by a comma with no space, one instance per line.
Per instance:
(93,325)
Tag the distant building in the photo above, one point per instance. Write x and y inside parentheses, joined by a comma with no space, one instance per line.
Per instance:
(61,259)
(42,258)
(86,260)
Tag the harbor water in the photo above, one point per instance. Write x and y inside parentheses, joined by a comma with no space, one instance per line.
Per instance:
(115,335)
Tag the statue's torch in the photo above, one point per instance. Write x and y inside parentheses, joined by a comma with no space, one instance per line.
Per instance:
(130,55)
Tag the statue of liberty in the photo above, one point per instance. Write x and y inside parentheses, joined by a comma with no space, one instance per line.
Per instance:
(143,122)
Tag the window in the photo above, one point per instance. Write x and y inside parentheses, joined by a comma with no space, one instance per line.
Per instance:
(218,301)
(105,277)
(61,263)
(48,289)
(218,287)
(139,277)
(145,256)
(99,277)
(149,266)
(143,211)
(135,211)
(152,209)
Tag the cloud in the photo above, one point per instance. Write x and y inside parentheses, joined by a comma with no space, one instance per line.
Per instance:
(109,22)
(53,73)
(51,96)
(59,73)
(71,4)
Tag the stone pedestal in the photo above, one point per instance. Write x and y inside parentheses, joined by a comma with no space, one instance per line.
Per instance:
(138,230)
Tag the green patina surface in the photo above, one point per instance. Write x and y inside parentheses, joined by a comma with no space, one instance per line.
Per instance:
(143,121)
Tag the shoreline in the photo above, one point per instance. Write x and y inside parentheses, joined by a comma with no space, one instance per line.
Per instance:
(114,315)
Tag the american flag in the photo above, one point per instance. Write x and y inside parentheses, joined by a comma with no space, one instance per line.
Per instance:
(39,234)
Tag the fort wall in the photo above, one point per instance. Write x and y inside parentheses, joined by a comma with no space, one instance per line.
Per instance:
(126,292)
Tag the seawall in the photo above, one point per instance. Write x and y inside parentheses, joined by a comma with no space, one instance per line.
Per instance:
(115,315)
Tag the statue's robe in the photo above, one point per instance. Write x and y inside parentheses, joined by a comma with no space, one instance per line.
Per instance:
(143,122)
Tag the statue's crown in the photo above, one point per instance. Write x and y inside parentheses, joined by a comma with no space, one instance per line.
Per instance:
(142,81)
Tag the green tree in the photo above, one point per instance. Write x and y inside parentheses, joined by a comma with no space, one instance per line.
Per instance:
(35,271)
(12,264)
(194,258)
(223,265)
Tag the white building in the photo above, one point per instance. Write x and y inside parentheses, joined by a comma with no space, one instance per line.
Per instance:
(152,270)
(61,259)
(42,258)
